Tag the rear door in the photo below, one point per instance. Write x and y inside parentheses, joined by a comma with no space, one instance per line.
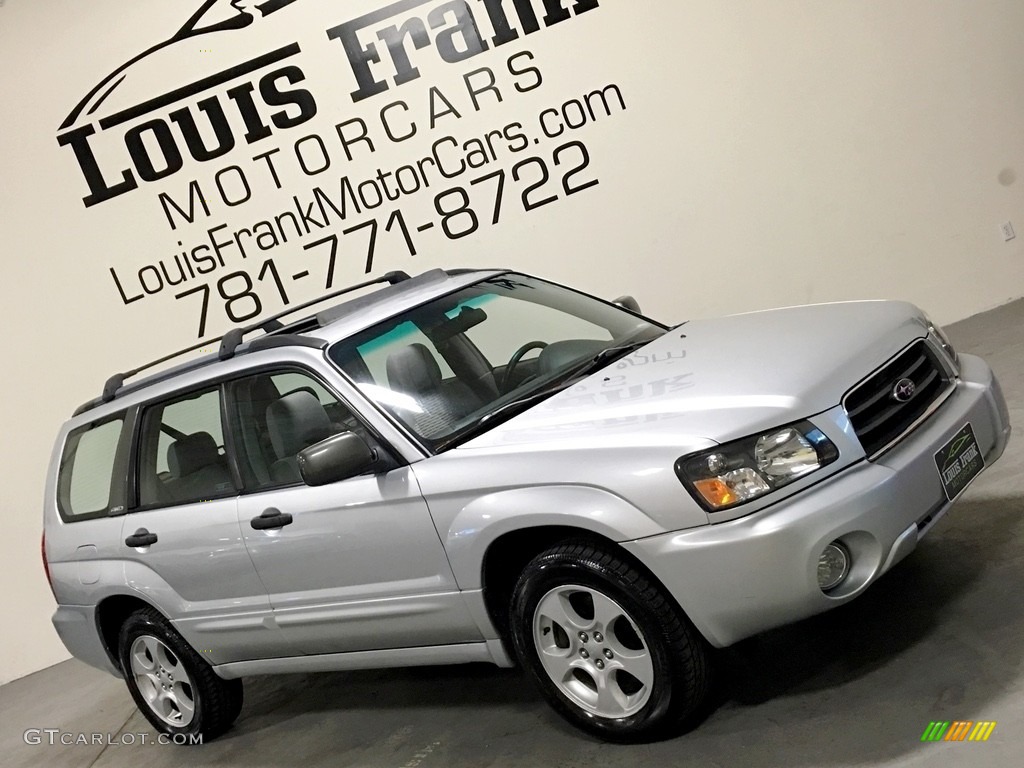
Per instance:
(355,565)
(181,543)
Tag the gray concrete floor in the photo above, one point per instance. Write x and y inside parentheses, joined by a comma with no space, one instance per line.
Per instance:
(940,638)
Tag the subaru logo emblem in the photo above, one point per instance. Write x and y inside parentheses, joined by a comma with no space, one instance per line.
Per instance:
(903,390)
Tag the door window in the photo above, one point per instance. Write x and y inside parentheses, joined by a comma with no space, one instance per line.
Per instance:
(182,458)
(277,415)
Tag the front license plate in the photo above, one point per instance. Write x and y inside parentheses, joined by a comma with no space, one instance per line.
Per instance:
(959,461)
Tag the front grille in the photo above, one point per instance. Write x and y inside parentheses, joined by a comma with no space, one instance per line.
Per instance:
(878,417)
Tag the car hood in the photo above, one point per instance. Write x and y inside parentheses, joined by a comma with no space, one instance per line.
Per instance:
(719,379)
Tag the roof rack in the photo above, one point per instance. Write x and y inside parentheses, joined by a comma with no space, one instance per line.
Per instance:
(231,340)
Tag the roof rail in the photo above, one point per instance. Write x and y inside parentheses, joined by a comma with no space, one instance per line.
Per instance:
(231,340)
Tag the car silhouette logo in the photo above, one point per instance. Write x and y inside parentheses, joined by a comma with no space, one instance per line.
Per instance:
(904,390)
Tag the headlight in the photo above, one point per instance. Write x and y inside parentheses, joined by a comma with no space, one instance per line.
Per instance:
(940,336)
(722,477)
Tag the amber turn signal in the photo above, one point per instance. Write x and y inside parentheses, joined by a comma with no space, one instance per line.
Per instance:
(715,492)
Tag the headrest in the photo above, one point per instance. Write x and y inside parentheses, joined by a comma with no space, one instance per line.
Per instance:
(263,389)
(296,421)
(559,354)
(262,392)
(191,453)
(413,370)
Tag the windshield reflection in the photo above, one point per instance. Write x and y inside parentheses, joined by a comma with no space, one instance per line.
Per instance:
(462,363)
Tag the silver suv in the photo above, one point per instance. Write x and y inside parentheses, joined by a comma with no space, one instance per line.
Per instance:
(484,466)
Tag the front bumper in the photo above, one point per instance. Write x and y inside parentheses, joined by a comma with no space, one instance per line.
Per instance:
(737,578)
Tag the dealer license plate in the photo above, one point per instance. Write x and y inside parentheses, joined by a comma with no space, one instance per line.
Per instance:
(959,461)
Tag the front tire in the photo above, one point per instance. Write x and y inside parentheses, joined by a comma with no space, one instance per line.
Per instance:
(611,652)
(177,691)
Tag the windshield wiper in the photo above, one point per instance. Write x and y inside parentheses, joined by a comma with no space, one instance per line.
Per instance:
(485,422)
(602,358)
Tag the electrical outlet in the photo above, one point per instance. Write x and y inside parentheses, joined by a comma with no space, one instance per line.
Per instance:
(1007,230)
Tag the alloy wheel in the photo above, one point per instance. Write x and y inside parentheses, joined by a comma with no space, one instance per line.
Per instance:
(162,680)
(593,651)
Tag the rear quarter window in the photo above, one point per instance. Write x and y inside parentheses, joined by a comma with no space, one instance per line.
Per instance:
(87,469)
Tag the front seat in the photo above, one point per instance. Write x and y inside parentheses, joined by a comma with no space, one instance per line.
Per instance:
(254,395)
(295,422)
(197,470)
(413,371)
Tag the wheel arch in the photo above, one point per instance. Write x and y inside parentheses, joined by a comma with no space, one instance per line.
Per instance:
(472,529)
(111,613)
(507,556)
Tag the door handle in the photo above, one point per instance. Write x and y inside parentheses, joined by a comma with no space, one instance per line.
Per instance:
(271,518)
(141,538)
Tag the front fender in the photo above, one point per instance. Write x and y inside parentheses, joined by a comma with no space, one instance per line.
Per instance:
(484,519)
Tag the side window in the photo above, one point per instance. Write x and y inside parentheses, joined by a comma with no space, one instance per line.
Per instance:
(277,415)
(87,468)
(181,456)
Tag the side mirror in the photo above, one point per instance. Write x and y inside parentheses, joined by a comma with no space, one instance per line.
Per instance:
(339,457)
(628,302)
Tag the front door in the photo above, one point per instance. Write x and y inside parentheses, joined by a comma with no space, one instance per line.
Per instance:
(352,566)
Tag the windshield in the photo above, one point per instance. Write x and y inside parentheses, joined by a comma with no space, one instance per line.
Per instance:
(457,365)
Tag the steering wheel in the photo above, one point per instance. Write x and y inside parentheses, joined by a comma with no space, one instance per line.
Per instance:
(513,361)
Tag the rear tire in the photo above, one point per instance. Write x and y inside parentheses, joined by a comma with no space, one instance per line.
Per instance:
(175,688)
(609,649)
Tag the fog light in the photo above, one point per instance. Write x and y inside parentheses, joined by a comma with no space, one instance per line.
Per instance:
(833,566)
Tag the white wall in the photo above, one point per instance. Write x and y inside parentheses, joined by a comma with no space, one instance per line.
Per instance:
(771,152)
